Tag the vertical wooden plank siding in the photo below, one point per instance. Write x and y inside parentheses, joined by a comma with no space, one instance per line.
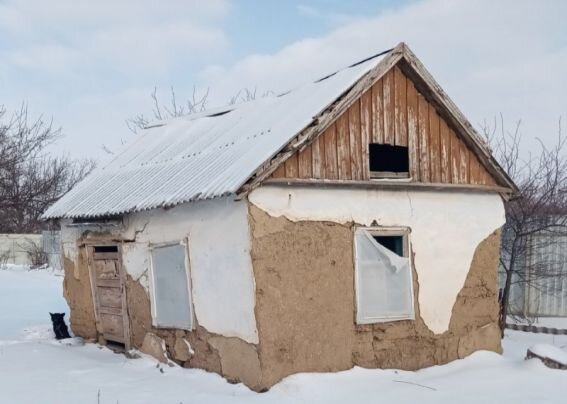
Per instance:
(317,161)
(305,163)
(391,111)
(474,169)
(413,134)
(455,157)
(323,155)
(292,167)
(331,166)
(445,141)
(355,141)
(388,98)
(378,112)
(435,145)
(489,178)
(464,170)
(343,147)
(400,111)
(483,177)
(280,172)
(423,128)
(365,130)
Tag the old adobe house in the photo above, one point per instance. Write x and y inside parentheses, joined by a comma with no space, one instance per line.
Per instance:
(351,221)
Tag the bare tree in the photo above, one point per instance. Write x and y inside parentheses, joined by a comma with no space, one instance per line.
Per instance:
(37,257)
(173,108)
(161,111)
(247,94)
(30,178)
(535,218)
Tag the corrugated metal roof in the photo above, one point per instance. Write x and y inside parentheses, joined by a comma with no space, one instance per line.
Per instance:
(202,156)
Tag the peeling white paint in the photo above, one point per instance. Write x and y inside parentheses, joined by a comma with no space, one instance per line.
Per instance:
(222,278)
(136,262)
(69,238)
(446,228)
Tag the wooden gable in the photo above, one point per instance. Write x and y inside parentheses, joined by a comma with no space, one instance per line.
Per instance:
(392,111)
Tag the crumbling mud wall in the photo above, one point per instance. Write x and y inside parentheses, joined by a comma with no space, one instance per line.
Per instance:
(77,292)
(443,250)
(228,356)
(305,305)
(302,294)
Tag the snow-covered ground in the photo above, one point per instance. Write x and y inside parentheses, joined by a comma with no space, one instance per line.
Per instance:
(34,368)
(27,297)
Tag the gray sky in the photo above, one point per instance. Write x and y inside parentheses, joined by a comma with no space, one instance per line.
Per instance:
(92,64)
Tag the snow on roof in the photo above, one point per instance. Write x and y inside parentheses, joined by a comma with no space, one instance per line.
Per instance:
(202,156)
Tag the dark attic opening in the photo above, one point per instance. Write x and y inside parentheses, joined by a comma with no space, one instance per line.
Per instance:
(388,161)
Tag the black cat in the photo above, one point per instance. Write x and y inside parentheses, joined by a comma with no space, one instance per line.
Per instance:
(59,326)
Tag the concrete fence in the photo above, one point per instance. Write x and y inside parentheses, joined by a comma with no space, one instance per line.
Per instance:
(19,248)
(15,248)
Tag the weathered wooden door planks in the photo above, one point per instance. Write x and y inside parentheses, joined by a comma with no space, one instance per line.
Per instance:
(108,293)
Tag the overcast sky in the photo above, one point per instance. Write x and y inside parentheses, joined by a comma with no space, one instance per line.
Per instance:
(92,64)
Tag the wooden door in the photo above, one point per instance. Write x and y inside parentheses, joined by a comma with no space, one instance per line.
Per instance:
(109,295)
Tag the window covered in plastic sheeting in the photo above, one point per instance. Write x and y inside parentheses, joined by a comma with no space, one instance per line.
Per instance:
(383,276)
(171,303)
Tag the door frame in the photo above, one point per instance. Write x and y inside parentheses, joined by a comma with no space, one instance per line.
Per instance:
(90,263)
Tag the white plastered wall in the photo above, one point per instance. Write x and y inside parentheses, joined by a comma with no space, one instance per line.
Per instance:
(446,228)
(223,289)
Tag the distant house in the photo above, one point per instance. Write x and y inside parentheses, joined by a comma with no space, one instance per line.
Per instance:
(352,221)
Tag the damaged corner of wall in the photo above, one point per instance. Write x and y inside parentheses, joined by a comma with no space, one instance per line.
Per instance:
(239,360)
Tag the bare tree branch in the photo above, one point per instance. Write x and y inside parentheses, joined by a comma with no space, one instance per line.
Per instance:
(536,219)
(197,103)
(30,178)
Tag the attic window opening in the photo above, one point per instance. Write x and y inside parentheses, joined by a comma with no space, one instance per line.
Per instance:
(388,161)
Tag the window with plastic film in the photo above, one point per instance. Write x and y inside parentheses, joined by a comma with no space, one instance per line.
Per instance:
(383,275)
(171,291)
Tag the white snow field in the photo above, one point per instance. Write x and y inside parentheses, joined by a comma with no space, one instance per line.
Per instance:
(35,368)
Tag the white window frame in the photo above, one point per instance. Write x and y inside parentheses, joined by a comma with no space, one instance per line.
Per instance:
(404,232)
(155,323)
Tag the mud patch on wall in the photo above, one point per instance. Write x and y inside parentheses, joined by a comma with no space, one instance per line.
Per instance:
(305,307)
(139,314)
(77,292)
(443,251)
(411,345)
(304,298)
(229,356)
